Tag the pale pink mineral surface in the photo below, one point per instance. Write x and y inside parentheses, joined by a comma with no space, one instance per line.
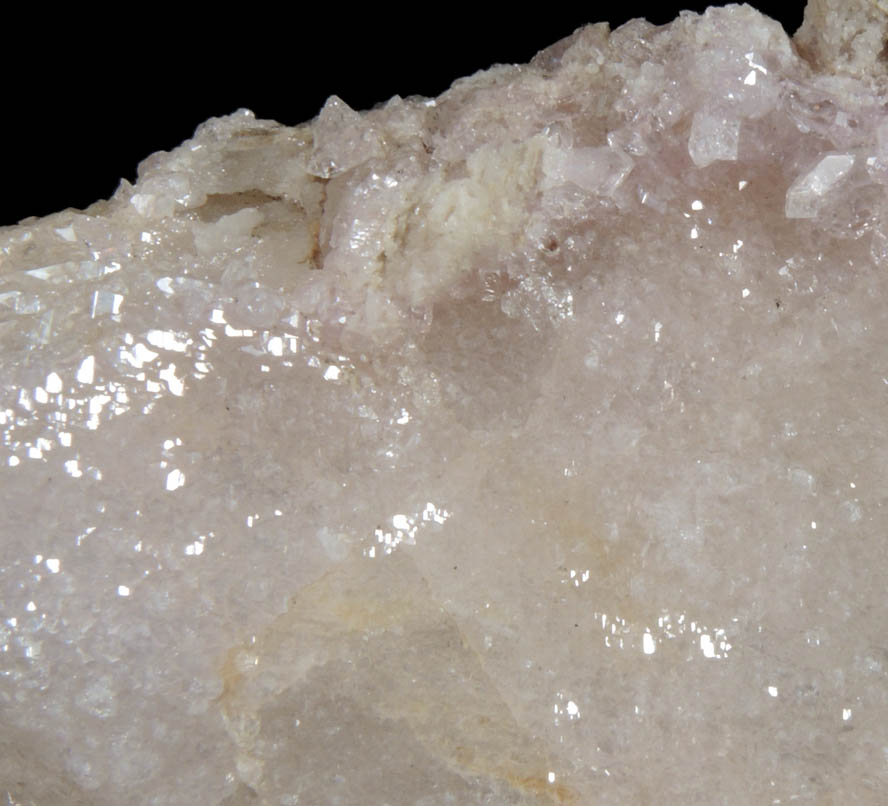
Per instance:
(527,445)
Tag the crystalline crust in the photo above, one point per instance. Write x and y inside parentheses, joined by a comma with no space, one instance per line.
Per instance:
(520,446)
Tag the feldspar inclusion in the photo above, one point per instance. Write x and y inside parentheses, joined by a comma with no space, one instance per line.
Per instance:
(525,445)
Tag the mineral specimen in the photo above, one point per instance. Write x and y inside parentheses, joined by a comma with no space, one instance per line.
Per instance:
(518,446)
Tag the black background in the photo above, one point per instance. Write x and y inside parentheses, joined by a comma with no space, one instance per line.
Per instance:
(88,97)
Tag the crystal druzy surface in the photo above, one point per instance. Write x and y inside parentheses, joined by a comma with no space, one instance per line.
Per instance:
(526,445)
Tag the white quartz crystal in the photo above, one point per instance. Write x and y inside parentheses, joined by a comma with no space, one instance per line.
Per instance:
(805,194)
(520,446)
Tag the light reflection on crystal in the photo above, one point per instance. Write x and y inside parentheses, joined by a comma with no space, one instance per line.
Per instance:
(72,468)
(167,340)
(105,303)
(706,646)
(174,480)
(404,529)
(174,384)
(86,370)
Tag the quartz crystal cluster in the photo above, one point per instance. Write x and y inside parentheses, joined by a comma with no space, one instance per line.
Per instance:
(525,445)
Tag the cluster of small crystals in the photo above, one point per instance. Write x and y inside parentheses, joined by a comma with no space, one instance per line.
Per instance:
(520,446)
